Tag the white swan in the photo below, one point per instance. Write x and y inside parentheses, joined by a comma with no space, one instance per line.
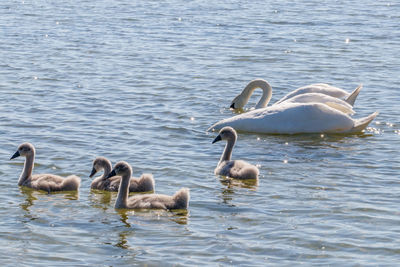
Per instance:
(180,200)
(238,169)
(46,182)
(341,97)
(291,118)
(143,184)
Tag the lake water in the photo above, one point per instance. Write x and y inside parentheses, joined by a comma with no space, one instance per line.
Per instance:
(141,81)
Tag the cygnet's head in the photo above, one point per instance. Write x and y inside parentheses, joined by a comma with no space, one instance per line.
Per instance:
(122,168)
(226,133)
(98,164)
(24,150)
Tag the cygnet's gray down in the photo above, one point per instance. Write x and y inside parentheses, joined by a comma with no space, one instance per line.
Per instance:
(180,200)
(145,183)
(46,182)
(238,169)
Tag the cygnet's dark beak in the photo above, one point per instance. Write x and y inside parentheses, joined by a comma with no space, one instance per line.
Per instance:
(16,154)
(232,105)
(111,174)
(93,172)
(218,138)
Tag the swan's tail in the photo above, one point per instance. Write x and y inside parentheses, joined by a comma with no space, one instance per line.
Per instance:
(181,198)
(362,123)
(352,97)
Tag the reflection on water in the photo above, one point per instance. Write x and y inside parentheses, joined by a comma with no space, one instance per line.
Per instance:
(125,234)
(101,198)
(124,216)
(71,195)
(245,183)
(30,197)
(123,239)
(178,216)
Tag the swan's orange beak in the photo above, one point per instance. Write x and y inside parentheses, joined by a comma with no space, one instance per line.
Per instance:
(218,138)
(16,154)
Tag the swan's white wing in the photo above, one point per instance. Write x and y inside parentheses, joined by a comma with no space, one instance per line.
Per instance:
(331,101)
(321,88)
(340,107)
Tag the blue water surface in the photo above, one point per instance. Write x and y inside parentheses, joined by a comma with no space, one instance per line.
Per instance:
(141,81)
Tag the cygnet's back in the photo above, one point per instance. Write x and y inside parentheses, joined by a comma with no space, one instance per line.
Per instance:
(238,169)
(180,200)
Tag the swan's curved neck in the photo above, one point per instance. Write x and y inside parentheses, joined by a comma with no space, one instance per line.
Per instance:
(123,191)
(106,169)
(253,85)
(28,168)
(227,154)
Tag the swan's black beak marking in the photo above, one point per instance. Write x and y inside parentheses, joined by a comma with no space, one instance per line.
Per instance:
(92,173)
(218,138)
(232,106)
(16,155)
(111,174)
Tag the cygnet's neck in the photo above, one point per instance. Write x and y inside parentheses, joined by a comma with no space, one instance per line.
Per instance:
(106,169)
(123,190)
(227,154)
(28,168)
(253,85)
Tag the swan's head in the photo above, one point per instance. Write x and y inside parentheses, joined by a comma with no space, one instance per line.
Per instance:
(226,133)
(25,149)
(98,164)
(239,102)
(122,168)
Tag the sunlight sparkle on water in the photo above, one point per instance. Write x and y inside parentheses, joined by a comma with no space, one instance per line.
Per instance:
(375,130)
